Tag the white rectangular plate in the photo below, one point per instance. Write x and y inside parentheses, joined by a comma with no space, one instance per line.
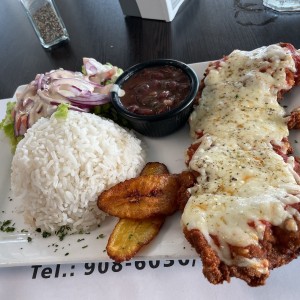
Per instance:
(169,244)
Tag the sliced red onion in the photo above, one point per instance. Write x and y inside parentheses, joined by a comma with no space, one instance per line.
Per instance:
(47,99)
(16,132)
(92,66)
(39,81)
(82,92)
(93,100)
(61,73)
(74,82)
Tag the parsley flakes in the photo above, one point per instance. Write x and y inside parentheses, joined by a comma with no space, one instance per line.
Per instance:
(6,226)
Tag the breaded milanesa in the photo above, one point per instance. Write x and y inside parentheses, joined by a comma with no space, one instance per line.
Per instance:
(242,215)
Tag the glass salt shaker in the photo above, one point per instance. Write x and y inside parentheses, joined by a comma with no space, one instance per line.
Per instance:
(46,21)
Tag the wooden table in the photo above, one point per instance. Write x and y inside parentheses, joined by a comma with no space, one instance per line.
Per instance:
(202,30)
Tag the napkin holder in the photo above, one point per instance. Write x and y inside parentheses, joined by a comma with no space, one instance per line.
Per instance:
(155,9)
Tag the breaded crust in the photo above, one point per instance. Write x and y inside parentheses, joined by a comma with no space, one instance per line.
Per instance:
(279,246)
(214,269)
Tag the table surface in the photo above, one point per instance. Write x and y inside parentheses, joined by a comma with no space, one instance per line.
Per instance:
(201,31)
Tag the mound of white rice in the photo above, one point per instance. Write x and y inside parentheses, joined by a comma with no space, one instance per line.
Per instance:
(61,166)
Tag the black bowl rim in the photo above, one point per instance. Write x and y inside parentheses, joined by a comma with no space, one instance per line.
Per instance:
(152,63)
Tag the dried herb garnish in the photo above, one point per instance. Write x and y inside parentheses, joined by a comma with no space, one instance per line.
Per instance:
(46,234)
(7,226)
(62,232)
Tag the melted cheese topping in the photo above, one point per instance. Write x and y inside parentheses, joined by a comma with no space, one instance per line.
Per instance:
(226,168)
(243,182)
(246,113)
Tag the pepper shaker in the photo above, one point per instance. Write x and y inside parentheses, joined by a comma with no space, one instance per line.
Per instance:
(46,21)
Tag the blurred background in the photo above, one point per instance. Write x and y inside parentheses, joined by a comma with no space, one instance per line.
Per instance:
(202,30)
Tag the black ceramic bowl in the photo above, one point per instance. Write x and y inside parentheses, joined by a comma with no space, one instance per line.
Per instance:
(164,123)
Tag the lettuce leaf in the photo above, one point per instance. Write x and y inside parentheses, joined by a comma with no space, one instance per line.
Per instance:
(62,111)
(7,125)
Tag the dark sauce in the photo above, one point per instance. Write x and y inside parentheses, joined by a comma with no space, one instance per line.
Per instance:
(155,90)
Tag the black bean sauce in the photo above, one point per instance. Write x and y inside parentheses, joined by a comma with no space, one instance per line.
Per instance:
(155,90)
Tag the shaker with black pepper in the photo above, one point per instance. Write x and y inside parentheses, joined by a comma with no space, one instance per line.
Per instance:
(46,22)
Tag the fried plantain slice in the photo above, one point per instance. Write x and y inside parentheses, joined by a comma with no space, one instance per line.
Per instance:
(129,236)
(152,168)
(142,197)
